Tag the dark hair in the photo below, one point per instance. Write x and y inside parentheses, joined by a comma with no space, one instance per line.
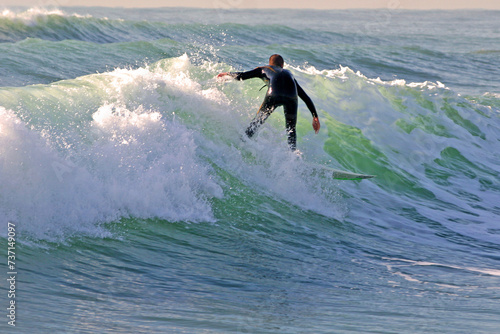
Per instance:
(276,60)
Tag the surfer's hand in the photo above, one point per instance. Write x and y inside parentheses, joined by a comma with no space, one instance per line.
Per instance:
(316,124)
(223,77)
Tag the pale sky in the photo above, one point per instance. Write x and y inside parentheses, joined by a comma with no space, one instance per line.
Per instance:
(315,4)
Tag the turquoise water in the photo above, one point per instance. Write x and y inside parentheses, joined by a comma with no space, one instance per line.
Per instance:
(139,209)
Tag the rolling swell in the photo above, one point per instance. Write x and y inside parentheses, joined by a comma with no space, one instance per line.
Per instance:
(30,61)
(58,26)
(43,46)
(218,38)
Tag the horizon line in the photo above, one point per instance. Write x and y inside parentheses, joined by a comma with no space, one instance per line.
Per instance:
(244,7)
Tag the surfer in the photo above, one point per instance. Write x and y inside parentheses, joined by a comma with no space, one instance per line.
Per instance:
(282,90)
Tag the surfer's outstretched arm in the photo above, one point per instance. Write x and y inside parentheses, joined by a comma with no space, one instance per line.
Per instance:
(310,105)
(255,73)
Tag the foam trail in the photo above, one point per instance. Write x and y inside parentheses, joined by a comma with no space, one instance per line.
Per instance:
(485,271)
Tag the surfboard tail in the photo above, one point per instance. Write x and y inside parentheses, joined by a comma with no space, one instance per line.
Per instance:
(340,174)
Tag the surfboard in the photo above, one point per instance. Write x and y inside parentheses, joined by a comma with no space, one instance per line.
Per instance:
(340,174)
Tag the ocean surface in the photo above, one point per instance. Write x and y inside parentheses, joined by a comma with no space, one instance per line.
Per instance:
(134,206)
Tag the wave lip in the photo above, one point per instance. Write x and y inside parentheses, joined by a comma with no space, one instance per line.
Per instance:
(30,15)
(56,25)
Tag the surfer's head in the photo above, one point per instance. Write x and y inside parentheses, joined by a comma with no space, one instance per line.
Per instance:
(276,60)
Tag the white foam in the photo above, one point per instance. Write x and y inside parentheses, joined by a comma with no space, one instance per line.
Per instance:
(136,165)
(345,73)
(127,157)
(32,16)
(486,271)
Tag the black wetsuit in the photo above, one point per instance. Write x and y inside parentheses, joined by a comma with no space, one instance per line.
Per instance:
(282,90)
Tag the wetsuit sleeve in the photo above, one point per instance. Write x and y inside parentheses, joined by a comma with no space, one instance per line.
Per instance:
(255,73)
(309,103)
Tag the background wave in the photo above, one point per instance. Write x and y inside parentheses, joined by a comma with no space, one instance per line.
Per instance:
(101,40)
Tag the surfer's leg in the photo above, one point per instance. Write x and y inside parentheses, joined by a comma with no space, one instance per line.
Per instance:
(265,110)
(290,109)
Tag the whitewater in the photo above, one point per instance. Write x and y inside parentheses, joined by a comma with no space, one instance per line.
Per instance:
(140,207)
